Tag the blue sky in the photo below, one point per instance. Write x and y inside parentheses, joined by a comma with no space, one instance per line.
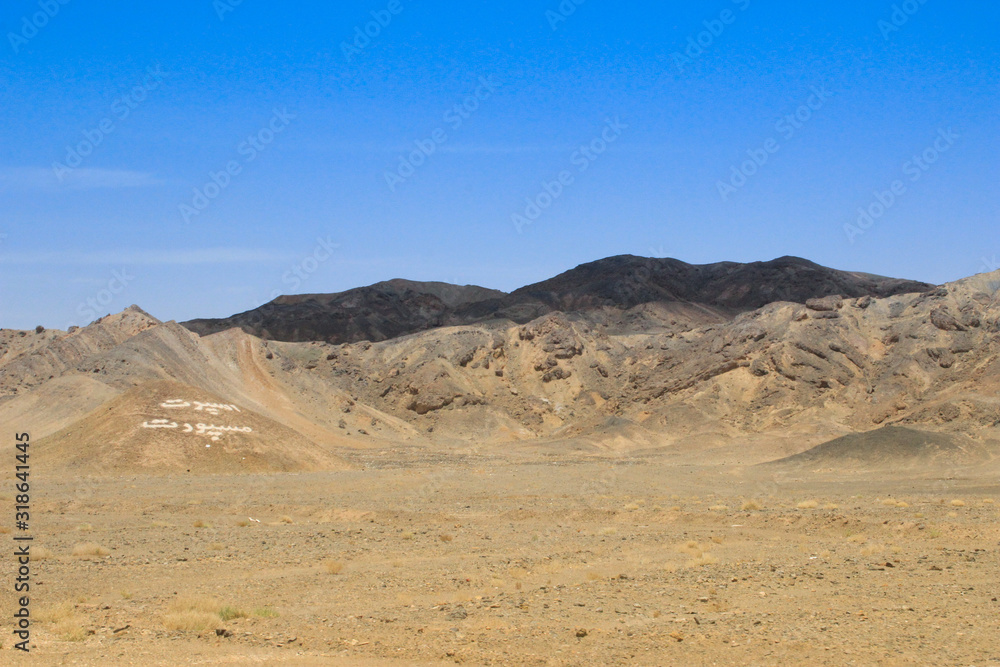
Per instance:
(198,157)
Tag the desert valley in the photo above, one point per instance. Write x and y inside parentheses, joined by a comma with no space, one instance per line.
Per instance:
(639,461)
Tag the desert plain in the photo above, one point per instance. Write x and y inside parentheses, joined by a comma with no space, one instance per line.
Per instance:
(799,468)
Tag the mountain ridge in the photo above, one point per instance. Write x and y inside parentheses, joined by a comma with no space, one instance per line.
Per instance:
(694,293)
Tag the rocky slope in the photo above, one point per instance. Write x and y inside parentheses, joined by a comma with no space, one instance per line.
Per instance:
(630,292)
(791,373)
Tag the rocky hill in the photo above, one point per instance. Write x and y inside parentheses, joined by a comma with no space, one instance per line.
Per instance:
(743,383)
(630,292)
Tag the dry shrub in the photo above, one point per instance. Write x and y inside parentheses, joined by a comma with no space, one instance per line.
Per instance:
(608,530)
(85,527)
(200,603)
(201,524)
(191,621)
(63,611)
(831,506)
(243,523)
(988,501)
(872,549)
(690,547)
(958,503)
(333,566)
(702,561)
(265,612)
(66,623)
(228,613)
(216,546)
(445,537)
(193,614)
(718,508)
(406,536)
(808,505)
(71,631)
(4,530)
(631,507)
(286,519)
(89,549)
(751,505)
(41,553)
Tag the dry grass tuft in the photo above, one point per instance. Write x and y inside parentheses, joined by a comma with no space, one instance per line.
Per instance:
(191,621)
(41,553)
(445,537)
(808,505)
(199,603)
(71,631)
(831,506)
(243,523)
(333,566)
(61,612)
(201,524)
(718,508)
(89,549)
(872,549)
(690,547)
(703,560)
(286,519)
(750,506)
(958,503)
(228,613)
(216,546)
(85,527)
(265,612)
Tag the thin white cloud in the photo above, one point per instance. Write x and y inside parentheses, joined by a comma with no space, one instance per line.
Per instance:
(39,178)
(150,257)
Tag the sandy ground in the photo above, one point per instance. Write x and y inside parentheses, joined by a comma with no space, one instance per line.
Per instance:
(421,559)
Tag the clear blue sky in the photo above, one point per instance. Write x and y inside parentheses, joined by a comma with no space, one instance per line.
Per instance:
(171,93)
